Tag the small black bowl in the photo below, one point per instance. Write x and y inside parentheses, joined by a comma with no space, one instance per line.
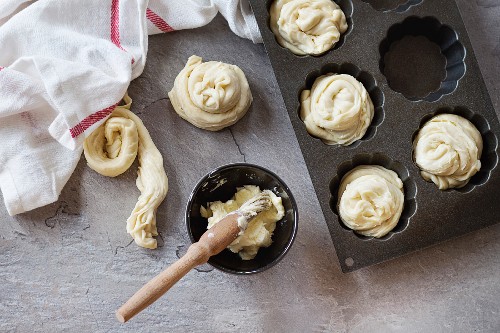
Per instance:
(221,184)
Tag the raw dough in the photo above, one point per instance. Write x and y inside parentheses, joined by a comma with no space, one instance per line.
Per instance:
(447,150)
(307,26)
(210,95)
(371,200)
(337,109)
(112,148)
(258,232)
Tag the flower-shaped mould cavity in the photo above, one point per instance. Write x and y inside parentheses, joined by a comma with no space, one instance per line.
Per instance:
(409,188)
(368,81)
(398,6)
(347,8)
(489,157)
(422,59)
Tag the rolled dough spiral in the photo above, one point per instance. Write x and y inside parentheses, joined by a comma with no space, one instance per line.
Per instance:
(111,149)
(210,95)
(307,26)
(337,109)
(447,149)
(371,200)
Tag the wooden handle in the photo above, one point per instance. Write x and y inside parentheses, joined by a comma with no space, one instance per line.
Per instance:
(212,242)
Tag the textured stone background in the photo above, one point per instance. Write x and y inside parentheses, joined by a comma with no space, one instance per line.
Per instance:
(68,266)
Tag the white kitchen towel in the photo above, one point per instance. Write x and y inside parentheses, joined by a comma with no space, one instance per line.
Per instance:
(64,66)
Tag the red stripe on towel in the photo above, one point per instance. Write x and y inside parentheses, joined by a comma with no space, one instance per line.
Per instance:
(115,25)
(1,68)
(91,120)
(158,21)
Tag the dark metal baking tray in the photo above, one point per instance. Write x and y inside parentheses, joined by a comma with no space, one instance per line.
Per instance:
(421,83)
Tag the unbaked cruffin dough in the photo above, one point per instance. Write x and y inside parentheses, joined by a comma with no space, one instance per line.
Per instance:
(259,230)
(371,200)
(210,95)
(337,109)
(307,26)
(111,149)
(448,149)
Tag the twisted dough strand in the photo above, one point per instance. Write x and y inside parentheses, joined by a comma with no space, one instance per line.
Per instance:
(111,149)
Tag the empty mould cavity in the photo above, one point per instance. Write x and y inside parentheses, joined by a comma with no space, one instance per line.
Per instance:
(398,6)
(489,156)
(409,189)
(344,97)
(422,59)
(309,22)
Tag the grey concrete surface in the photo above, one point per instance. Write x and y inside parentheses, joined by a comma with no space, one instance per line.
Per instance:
(68,266)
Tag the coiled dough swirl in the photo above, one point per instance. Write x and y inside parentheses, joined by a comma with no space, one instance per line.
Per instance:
(210,95)
(447,149)
(371,200)
(111,149)
(337,109)
(307,26)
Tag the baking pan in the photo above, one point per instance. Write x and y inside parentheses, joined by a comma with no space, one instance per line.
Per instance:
(409,79)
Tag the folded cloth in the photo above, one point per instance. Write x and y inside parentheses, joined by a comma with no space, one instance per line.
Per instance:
(64,66)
